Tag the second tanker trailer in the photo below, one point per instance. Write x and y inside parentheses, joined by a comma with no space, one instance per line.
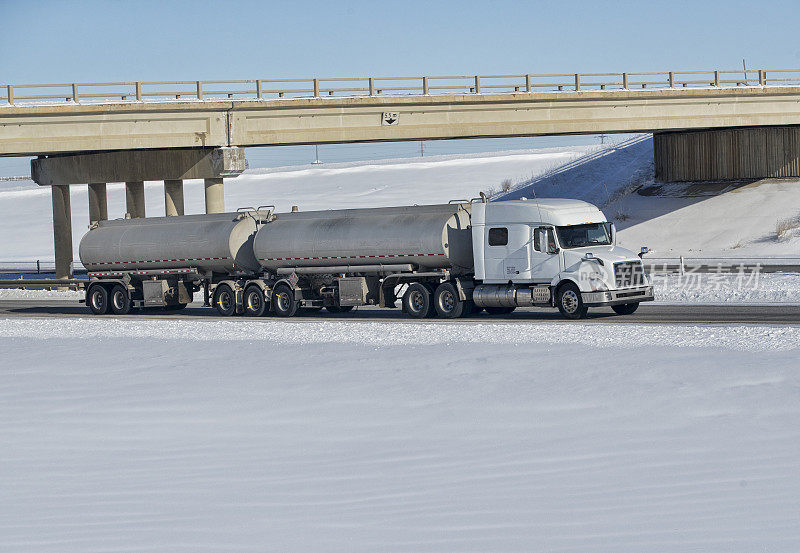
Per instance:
(446,260)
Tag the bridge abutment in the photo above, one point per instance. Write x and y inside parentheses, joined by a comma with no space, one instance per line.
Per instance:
(727,154)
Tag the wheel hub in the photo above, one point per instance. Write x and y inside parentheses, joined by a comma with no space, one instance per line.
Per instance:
(569,301)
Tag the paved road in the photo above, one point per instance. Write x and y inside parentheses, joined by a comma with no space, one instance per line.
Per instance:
(647,313)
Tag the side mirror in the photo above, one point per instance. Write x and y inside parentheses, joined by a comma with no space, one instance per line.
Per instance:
(645,250)
(613,230)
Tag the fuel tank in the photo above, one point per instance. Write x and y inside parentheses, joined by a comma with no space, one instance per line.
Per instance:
(220,243)
(428,236)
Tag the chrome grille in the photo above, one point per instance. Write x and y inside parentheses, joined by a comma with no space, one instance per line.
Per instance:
(629,273)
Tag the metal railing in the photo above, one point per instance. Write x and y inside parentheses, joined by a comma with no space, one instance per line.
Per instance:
(264,89)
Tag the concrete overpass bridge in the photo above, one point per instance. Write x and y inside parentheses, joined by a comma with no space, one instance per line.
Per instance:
(707,124)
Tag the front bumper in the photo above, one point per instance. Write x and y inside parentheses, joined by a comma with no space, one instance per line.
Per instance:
(617,297)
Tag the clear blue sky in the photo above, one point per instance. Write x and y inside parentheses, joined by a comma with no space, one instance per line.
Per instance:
(68,41)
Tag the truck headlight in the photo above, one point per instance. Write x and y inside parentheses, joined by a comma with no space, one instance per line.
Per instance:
(596,281)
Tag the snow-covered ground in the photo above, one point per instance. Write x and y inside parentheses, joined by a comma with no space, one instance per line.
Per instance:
(178,436)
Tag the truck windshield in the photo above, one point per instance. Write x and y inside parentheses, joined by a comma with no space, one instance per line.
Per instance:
(579,236)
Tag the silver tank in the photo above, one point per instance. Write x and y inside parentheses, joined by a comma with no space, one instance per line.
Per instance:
(221,243)
(429,236)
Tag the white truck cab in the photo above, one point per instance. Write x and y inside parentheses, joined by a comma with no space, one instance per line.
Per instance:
(563,250)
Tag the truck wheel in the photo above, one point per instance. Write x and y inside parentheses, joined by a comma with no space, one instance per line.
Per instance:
(570,303)
(97,299)
(417,301)
(120,300)
(625,308)
(283,302)
(499,310)
(225,300)
(255,304)
(339,308)
(447,303)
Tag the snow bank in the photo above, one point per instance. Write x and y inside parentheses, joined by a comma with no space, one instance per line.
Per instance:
(727,288)
(397,333)
(16,294)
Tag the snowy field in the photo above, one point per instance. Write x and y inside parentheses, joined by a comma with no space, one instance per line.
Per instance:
(167,436)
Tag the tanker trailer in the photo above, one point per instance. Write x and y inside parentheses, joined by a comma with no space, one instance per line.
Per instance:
(339,259)
(162,261)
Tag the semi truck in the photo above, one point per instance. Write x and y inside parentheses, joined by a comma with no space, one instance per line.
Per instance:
(446,260)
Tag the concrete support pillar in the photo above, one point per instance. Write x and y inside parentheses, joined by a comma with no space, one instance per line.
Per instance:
(215,196)
(134,199)
(173,197)
(62,230)
(98,202)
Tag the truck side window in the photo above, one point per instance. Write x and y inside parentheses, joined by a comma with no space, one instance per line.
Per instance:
(551,241)
(498,236)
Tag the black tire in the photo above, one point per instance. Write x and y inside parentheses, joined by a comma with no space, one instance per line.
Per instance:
(255,304)
(97,299)
(625,308)
(570,302)
(499,310)
(339,308)
(119,300)
(447,303)
(283,302)
(225,300)
(417,301)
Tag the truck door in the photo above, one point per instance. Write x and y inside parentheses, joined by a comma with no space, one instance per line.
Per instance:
(507,252)
(545,261)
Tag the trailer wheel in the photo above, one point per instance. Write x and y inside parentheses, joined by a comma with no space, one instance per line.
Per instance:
(283,302)
(120,300)
(447,302)
(570,303)
(225,300)
(339,308)
(499,310)
(625,308)
(417,301)
(255,304)
(97,299)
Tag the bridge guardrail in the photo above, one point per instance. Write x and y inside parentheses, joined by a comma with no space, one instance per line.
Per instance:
(262,89)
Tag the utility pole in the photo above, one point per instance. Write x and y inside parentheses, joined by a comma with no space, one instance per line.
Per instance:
(316,155)
(421,149)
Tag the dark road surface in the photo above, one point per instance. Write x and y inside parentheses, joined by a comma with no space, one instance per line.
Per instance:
(647,313)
